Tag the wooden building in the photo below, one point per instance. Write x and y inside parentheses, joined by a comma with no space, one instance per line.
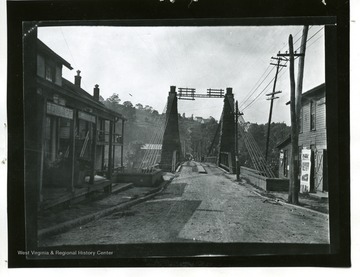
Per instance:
(312,136)
(79,134)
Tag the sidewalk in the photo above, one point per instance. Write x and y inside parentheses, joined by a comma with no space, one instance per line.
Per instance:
(60,219)
(310,201)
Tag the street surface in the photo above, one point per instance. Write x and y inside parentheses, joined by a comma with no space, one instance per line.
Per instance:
(198,207)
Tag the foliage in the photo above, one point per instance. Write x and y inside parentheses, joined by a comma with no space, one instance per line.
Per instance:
(196,137)
(133,155)
(128,104)
(196,133)
(278,133)
(114,99)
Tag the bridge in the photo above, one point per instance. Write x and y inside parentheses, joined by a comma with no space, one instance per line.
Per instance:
(166,142)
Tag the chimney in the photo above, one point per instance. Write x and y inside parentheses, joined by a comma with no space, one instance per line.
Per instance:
(96,92)
(78,79)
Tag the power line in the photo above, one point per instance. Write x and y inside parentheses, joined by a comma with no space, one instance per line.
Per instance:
(252,91)
(261,92)
(72,57)
(243,102)
(253,101)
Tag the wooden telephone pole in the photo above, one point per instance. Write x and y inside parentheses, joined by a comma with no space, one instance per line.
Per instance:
(272,98)
(237,114)
(295,108)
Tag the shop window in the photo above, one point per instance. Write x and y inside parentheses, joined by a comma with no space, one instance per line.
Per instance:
(57,138)
(57,152)
(47,138)
(85,139)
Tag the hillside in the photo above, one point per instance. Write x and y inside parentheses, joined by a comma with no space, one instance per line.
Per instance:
(145,125)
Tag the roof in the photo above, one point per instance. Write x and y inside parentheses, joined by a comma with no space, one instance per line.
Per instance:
(315,90)
(150,146)
(284,143)
(42,47)
(70,87)
(78,90)
(312,92)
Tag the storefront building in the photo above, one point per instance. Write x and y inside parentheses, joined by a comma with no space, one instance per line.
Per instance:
(79,134)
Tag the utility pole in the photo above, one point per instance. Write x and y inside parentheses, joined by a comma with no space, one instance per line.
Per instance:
(294,166)
(301,72)
(295,108)
(236,141)
(237,114)
(278,65)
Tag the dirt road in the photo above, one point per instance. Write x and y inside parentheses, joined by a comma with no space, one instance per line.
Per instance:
(198,207)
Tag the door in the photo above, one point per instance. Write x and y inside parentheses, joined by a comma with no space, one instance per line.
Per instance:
(312,168)
(325,171)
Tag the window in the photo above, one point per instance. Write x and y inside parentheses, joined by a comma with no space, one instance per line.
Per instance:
(40,66)
(285,163)
(301,120)
(49,73)
(312,115)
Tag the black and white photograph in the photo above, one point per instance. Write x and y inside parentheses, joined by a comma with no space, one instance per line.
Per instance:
(158,130)
(180,138)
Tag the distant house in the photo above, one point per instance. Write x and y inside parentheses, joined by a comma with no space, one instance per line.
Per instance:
(200,119)
(312,136)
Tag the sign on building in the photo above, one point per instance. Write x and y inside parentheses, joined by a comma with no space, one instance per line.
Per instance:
(305,170)
(58,110)
(86,116)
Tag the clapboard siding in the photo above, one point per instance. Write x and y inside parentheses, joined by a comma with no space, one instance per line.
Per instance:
(311,139)
(315,137)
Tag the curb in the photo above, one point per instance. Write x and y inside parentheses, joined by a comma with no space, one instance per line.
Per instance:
(65,226)
(282,201)
(291,205)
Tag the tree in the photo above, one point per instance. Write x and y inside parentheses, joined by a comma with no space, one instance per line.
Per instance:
(148,108)
(113,102)
(139,106)
(114,98)
(128,104)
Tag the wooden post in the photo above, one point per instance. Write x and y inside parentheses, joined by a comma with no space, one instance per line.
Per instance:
(299,85)
(93,152)
(113,149)
(43,128)
(122,143)
(102,129)
(301,73)
(294,168)
(110,161)
(72,153)
(33,113)
(236,142)
(271,108)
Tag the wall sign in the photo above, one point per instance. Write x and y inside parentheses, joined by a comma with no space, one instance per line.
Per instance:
(305,170)
(86,116)
(58,110)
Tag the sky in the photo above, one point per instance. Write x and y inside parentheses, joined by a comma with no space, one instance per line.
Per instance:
(141,63)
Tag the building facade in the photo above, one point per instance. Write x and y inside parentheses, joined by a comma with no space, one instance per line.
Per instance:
(312,137)
(79,134)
